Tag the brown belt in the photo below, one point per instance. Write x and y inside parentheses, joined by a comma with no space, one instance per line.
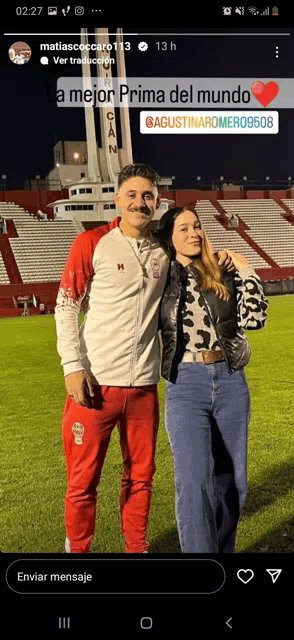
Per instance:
(206,357)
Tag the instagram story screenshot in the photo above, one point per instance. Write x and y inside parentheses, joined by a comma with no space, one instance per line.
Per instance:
(146,316)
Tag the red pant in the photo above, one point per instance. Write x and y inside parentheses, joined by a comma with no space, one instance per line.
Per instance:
(86,436)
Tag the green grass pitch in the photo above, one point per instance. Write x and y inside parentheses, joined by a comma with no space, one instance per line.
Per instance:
(33,477)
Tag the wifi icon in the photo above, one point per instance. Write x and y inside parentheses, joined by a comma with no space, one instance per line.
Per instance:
(253,10)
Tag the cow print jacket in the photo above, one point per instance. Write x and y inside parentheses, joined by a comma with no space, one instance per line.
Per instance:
(194,320)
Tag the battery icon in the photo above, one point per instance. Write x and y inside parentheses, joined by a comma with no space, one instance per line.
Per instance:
(275,11)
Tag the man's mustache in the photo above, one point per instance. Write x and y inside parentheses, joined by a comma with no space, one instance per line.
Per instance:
(140,210)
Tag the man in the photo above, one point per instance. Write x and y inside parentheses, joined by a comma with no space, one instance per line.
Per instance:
(116,274)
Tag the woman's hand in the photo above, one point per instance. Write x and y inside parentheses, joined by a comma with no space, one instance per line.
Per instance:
(230,261)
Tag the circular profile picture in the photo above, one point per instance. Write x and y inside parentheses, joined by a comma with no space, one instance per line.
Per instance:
(19,52)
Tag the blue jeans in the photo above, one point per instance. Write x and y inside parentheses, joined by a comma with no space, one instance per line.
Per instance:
(207,415)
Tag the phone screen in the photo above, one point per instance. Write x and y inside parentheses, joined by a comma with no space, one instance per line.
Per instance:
(206,103)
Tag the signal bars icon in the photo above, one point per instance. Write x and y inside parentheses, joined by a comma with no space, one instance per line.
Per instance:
(266,12)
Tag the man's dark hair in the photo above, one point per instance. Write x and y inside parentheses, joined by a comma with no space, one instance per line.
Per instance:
(140,170)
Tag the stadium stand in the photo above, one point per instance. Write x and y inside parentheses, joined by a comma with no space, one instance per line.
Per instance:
(34,248)
(41,247)
(4,279)
(266,227)
(220,238)
(288,206)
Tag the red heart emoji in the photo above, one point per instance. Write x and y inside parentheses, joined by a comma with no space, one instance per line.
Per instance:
(265,93)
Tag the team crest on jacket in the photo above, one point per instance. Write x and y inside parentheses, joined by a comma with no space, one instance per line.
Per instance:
(155,267)
(78,431)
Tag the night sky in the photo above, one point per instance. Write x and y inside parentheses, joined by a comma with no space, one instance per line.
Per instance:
(32,122)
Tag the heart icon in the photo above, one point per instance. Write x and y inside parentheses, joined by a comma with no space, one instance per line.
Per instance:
(244,579)
(265,93)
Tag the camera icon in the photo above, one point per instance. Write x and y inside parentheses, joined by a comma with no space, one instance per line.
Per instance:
(79,11)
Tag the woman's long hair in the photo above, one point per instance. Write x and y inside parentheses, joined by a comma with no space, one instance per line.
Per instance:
(206,264)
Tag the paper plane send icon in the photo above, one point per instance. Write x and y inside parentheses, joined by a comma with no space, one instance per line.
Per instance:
(274,573)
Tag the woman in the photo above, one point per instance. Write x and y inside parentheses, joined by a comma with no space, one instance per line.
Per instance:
(204,312)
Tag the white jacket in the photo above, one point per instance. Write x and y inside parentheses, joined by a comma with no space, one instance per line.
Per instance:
(117,344)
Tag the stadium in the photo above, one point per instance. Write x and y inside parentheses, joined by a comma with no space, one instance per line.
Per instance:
(37,227)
